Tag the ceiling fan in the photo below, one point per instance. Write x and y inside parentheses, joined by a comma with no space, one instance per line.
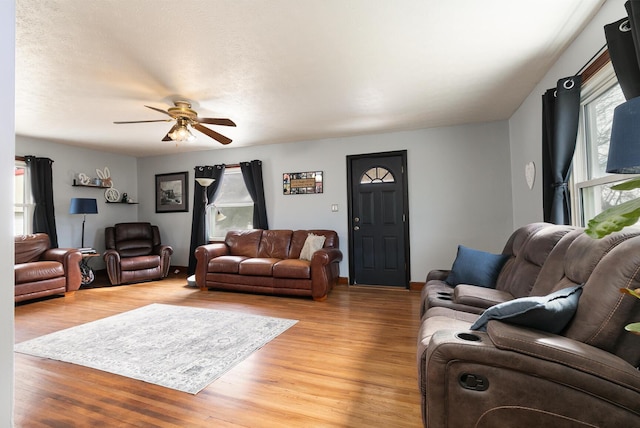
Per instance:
(187,118)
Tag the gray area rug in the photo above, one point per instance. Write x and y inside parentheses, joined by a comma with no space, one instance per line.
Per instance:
(178,347)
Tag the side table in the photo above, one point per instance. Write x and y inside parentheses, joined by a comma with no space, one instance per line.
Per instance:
(85,270)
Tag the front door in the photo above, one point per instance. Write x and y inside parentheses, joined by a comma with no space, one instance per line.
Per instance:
(379,219)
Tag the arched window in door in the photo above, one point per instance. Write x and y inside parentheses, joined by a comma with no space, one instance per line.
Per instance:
(376,175)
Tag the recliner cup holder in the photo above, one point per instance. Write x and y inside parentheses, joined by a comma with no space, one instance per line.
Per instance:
(444,293)
(445,298)
(470,337)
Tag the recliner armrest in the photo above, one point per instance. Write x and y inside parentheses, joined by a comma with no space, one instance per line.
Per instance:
(562,350)
(324,271)
(440,274)
(479,297)
(210,251)
(70,259)
(532,379)
(324,256)
(203,254)
(162,249)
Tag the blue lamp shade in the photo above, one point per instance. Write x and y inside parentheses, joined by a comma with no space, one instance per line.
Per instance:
(83,206)
(624,147)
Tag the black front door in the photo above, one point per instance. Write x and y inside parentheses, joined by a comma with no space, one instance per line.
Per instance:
(379,219)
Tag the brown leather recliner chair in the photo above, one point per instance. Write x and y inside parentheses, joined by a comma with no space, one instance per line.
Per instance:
(40,270)
(134,253)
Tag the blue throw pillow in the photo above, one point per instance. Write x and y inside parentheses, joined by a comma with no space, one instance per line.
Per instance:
(547,313)
(476,267)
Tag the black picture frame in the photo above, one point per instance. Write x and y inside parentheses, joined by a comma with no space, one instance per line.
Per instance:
(172,192)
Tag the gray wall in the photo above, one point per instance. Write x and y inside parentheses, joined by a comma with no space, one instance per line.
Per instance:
(459,188)
(525,130)
(68,161)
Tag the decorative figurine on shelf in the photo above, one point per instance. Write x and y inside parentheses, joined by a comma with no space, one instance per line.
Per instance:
(105,176)
(125,198)
(84,178)
(111,194)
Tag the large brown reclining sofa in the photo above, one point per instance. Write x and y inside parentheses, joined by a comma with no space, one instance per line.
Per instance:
(268,261)
(41,271)
(525,369)
(526,251)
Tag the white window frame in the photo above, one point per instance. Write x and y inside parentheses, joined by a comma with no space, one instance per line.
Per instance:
(27,205)
(598,84)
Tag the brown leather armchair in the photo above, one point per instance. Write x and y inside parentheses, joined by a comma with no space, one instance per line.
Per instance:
(134,253)
(43,271)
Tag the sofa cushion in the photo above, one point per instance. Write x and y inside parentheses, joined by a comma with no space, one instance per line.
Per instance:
(225,264)
(37,271)
(29,248)
(292,268)
(547,313)
(476,267)
(257,266)
(518,276)
(243,242)
(134,247)
(312,244)
(139,262)
(275,244)
(133,239)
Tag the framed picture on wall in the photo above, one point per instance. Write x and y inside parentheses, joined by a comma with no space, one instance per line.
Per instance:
(302,183)
(172,192)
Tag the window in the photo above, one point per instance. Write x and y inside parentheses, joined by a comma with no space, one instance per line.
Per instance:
(377,174)
(592,184)
(23,200)
(232,208)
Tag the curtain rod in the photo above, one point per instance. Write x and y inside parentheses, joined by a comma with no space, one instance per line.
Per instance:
(591,59)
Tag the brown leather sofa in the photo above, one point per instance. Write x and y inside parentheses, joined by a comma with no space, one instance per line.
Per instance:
(268,261)
(512,375)
(134,253)
(41,271)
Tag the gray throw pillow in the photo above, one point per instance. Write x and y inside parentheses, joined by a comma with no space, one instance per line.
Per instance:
(547,313)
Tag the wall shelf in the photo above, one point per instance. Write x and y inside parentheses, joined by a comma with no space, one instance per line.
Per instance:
(76,184)
(122,203)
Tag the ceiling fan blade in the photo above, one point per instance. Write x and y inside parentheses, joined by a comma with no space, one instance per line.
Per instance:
(211,133)
(143,121)
(214,121)
(159,109)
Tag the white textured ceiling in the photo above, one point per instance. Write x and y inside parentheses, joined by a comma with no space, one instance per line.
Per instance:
(283,70)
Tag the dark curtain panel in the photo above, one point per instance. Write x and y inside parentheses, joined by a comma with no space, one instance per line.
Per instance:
(44,219)
(633,12)
(560,112)
(252,175)
(198,223)
(624,52)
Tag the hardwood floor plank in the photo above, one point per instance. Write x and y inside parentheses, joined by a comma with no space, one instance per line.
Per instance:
(348,362)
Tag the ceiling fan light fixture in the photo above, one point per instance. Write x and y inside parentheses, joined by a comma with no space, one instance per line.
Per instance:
(182,133)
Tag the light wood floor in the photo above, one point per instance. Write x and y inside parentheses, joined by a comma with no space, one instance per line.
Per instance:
(348,362)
